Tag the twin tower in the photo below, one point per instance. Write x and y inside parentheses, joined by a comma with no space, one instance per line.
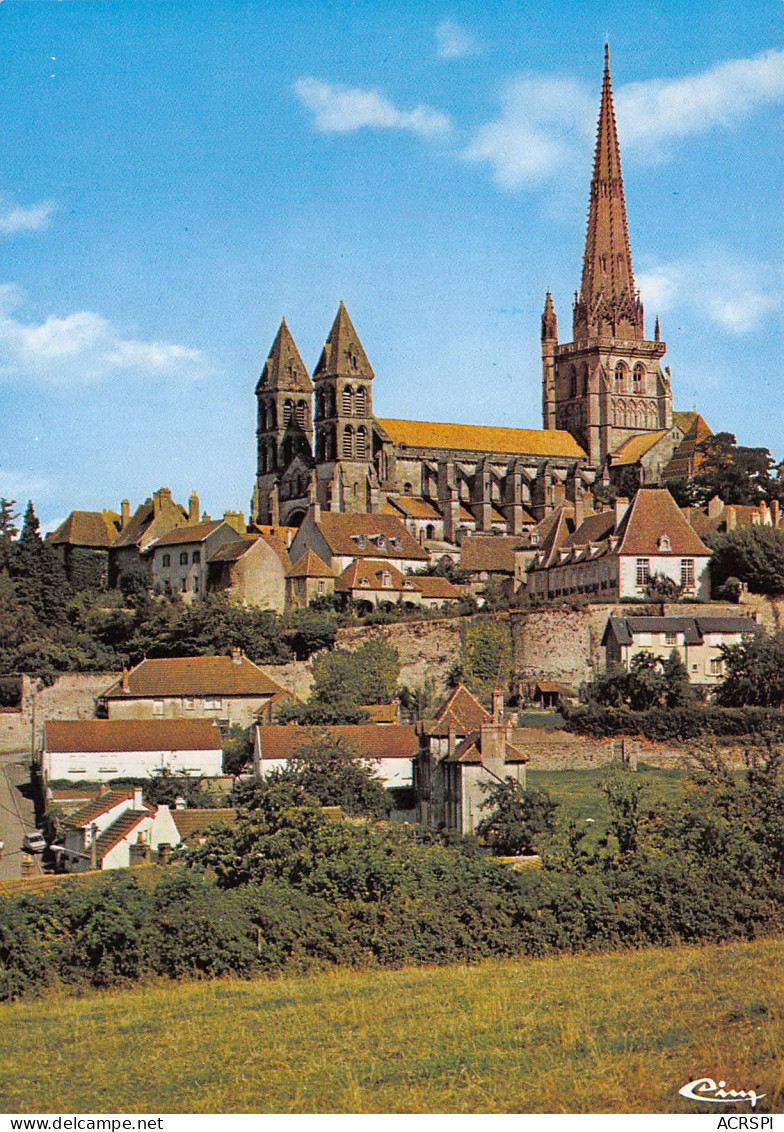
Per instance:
(605,388)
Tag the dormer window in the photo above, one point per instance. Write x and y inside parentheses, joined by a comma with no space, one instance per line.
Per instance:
(534,538)
(380,542)
(386,580)
(664,543)
(361,542)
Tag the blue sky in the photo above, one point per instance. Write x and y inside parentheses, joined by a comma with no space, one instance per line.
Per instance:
(175,177)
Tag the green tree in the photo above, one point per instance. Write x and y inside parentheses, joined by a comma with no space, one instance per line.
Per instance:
(735,473)
(311,630)
(754,673)
(754,555)
(623,798)
(485,654)
(237,751)
(518,818)
(649,682)
(39,578)
(335,774)
(8,530)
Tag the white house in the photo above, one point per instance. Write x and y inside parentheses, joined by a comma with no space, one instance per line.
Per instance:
(116,829)
(615,554)
(99,750)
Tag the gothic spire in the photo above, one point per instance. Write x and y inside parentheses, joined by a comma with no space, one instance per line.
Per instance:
(284,369)
(343,354)
(549,321)
(608,303)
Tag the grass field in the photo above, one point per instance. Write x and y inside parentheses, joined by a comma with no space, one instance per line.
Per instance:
(610,1033)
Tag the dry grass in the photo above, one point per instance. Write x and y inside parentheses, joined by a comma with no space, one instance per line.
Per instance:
(610,1033)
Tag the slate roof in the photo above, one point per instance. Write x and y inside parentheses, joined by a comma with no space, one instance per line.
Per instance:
(481,438)
(284,368)
(693,629)
(232,551)
(194,676)
(343,353)
(373,741)
(94,529)
(470,751)
(93,736)
(344,533)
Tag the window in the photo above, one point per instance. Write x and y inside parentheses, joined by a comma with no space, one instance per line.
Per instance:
(687,573)
(320,587)
(167,560)
(664,543)
(347,401)
(348,442)
(670,638)
(716,666)
(157,707)
(301,414)
(184,585)
(213,703)
(183,558)
(643,571)
(190,703)
(620,374)
(288,408)
(196,556)
(360,407)
(386,580)
(361,443)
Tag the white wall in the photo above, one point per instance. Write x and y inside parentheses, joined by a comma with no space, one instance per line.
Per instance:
(103,766)
(670,567)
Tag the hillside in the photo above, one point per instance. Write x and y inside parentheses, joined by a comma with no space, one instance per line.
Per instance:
(608,1033)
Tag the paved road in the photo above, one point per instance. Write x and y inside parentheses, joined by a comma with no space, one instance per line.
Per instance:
(17,815)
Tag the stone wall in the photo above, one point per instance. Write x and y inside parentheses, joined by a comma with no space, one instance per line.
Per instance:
(565,645)
(296,676)
(426,648)
(72,696)
(561,750)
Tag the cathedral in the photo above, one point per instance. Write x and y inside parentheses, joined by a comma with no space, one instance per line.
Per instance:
(606,401)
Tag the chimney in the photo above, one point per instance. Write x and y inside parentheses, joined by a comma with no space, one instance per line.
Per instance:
(451,740)
(193,508)
(124,680)
(498,705)
(138,798)
(315,511)
(621,507)
(163,494)
(731,518)
(715,507)
(236,656)
(125,514)
(235,519)
(774,512)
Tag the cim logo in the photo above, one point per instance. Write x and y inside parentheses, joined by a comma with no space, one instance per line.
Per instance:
(706,1089)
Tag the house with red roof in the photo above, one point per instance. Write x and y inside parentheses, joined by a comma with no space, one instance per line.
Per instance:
(179,558)
(227,689)
(614,554)
(115,830)
(251,569)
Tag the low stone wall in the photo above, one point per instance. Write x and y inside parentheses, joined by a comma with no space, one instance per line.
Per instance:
(296,676)
(561,750)
(72,696)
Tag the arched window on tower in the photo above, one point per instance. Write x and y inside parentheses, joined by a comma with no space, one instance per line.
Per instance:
(573,381)
(361,442)
(639,378)
(301,414)
(347,401)
(348,442)
(620,377)
(360,402)
(271,461)
(288,409)
(329,444)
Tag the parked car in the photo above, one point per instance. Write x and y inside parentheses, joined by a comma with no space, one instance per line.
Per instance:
(34,842)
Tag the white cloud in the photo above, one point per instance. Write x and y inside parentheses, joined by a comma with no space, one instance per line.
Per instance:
(541,124)
(34,218)
(737,295)
(343,110)
(454,42)
(545,123)
(83,347)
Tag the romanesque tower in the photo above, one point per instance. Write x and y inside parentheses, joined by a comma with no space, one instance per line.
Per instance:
(345,475)
(285,431)
(607,384)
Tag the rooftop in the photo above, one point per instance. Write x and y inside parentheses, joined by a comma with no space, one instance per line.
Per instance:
(482,438)
(194,676)
(94,736)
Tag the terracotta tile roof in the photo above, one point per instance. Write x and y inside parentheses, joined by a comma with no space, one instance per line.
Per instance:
(431,586)
(481,438)
(653,513)
(193,821)
(594,528)
(374,741)
(493,553)
(684,420)
(94,529)
(191,532)
(687,458)
(470,751)
(281,547)
(286,534)
(195,676)
(92,736)
(701,522)
(309,565)
(367,574)
(144,524)
(461,710)
(94,809)
(345,534)
(635,447)
(115,833)
(415,506)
